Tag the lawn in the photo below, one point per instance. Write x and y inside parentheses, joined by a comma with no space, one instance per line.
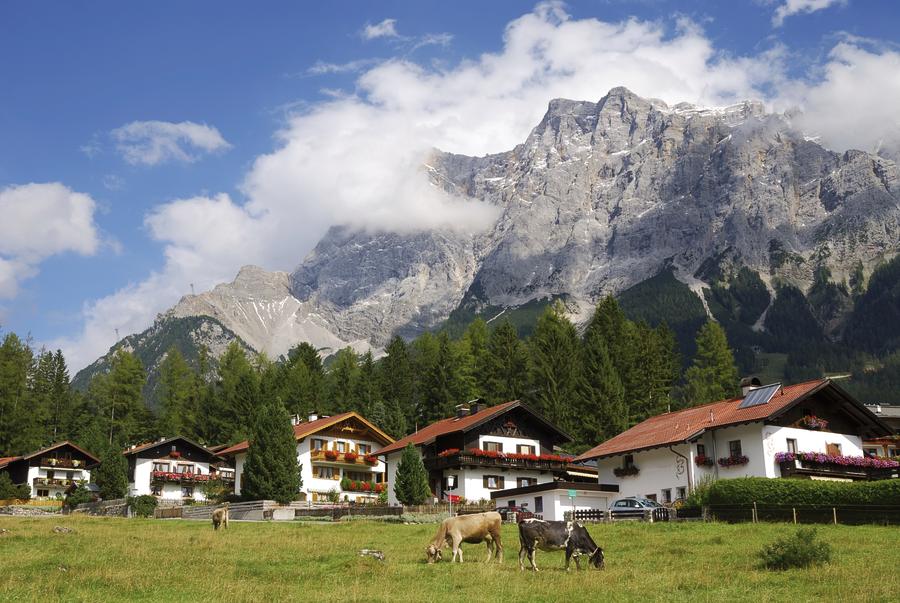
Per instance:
(108,559)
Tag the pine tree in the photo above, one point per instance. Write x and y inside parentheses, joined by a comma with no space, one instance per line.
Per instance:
(475,344)
(601,408)
(122,400)
(505,365)
(624,346)
(554,370)
(411,483)
(63,403)
(112,474)
(395,373)
(367,391)
(235,397)
(16,363)
(271,471)
(713,375)
(445,380)
(341,378)
(176,382)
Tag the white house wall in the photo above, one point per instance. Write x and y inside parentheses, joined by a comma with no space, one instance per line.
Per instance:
(659,468)
(557,502)
(143,468)
(58,473)
(775,440)
(509,443)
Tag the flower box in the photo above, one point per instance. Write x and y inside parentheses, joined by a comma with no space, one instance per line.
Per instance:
(626,471)
(351,457)
(448,452)
(331,455)
(832,460)
(370,459)
(813,422)
(175,454)
(701,460)
(733,461)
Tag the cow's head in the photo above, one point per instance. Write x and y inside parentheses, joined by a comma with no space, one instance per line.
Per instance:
(432,554)
(597,558)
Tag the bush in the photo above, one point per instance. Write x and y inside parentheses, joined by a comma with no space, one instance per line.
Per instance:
(699,495)
(800,550)
(78,496)
(765,491)
(142,506)
(9,490)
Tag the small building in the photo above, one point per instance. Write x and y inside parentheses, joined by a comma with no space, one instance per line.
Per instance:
(335,455)
(888,446)
(772,431)
(50,471)
(173,469)
(484,450)
(552,500)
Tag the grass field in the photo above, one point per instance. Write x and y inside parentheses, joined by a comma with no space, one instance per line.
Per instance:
(146,560)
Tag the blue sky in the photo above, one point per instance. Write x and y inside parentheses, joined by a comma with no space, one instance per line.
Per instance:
(273,121)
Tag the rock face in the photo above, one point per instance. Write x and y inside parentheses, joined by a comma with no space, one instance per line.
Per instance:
(599,197)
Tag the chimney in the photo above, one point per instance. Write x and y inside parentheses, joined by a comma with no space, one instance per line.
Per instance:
(313,417)
(296,420)
(462,410)
(475,405)
(748,384)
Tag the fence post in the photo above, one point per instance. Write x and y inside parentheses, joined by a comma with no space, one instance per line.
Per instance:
(834,512)
(755,516)
(794,509)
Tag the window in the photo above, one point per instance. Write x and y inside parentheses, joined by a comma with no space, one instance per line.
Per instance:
(525,449)
(364,448)
(493,482)
(318,444)
(161,467)
(681,492)
(340,446)
(701,450)
(185,468)
(734,448)
(187,492)
(628,461)
(538,504)
(359,476)
(870,451)
(667,495)
(50,473)
(892,452)
(70,475)
(156,489)
(648,497)
(526,481)
(494,446)
(792,445)
(833,449)
(325,472)
(43,492)
(511,503)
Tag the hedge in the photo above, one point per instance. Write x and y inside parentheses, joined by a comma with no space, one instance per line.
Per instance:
(765,491)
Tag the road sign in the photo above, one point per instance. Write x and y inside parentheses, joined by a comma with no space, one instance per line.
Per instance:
(572,493)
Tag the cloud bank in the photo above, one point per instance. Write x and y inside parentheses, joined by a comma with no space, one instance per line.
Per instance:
(155,142)
(355,158)
(796,7)
(385,29)
(40,221)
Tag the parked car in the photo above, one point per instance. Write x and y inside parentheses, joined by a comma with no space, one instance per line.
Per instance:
(632,506)
(521,513)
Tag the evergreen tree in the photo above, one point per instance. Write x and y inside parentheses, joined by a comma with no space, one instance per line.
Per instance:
(624,346)
(554,369)
(342,377)
(367,391)
(411,483)
(505,365)
(713,375)
(235,397)
(63,399)
(397,384)
(445,380)
(271,471)
(122,401)
(475,346)
(112,474)
(176,383)
(16,364)
(601,409)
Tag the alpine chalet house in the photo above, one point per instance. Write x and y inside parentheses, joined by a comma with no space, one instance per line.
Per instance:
(335,456)
(811,430)
(483,450)
(51,471)
(171,469)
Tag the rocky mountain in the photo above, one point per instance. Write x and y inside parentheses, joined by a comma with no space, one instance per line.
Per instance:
(600,197)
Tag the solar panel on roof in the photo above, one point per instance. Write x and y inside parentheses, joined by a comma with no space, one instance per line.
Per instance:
(759,396)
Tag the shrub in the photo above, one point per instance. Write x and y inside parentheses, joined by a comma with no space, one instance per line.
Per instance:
(761,490)
(142,506)
(802,549)
(9,490)
(699,495)
(78,496)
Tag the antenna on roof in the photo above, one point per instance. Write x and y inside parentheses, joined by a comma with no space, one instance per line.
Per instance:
(117,334)
(192,289)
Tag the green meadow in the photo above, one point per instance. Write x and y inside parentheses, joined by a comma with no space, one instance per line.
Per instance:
(106,559)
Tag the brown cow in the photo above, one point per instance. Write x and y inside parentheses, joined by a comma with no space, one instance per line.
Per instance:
(220,517)
(475,528)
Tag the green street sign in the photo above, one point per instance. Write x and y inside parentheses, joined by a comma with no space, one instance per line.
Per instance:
(572,493)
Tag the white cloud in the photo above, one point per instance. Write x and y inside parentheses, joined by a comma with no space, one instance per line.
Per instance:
(322,68)
(154,142)
(794,7)
(39,221)
(356,158)
(385,29)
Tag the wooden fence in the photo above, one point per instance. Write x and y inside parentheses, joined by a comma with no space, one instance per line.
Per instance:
(24,502)
(839,514)
(602,515)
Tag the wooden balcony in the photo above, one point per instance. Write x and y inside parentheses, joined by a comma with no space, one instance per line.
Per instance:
(54,463)
(806,470)
(468,459)
(53,481)
(183,478)
(342,458)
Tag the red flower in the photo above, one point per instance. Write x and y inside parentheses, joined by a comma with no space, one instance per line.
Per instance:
(350,457)
(449,452)
(366,486)
(331,455)
(371,459)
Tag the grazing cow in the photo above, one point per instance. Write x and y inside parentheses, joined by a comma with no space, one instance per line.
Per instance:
(472,529)
(220,517)
(554,536)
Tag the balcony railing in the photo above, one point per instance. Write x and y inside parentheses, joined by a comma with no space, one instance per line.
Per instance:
(806,469)
(55,463)
(168,476)
(470,459)
(343,458)
(52,481)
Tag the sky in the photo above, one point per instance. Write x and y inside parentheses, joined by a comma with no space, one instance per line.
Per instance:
(149,147)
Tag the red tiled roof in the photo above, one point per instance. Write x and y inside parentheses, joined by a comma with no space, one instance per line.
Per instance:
(679,426)
(6,460)
(59,445)
(146,445)
(304,429)
(444,426)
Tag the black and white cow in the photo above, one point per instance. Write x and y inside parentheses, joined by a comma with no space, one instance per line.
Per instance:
(571,537)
